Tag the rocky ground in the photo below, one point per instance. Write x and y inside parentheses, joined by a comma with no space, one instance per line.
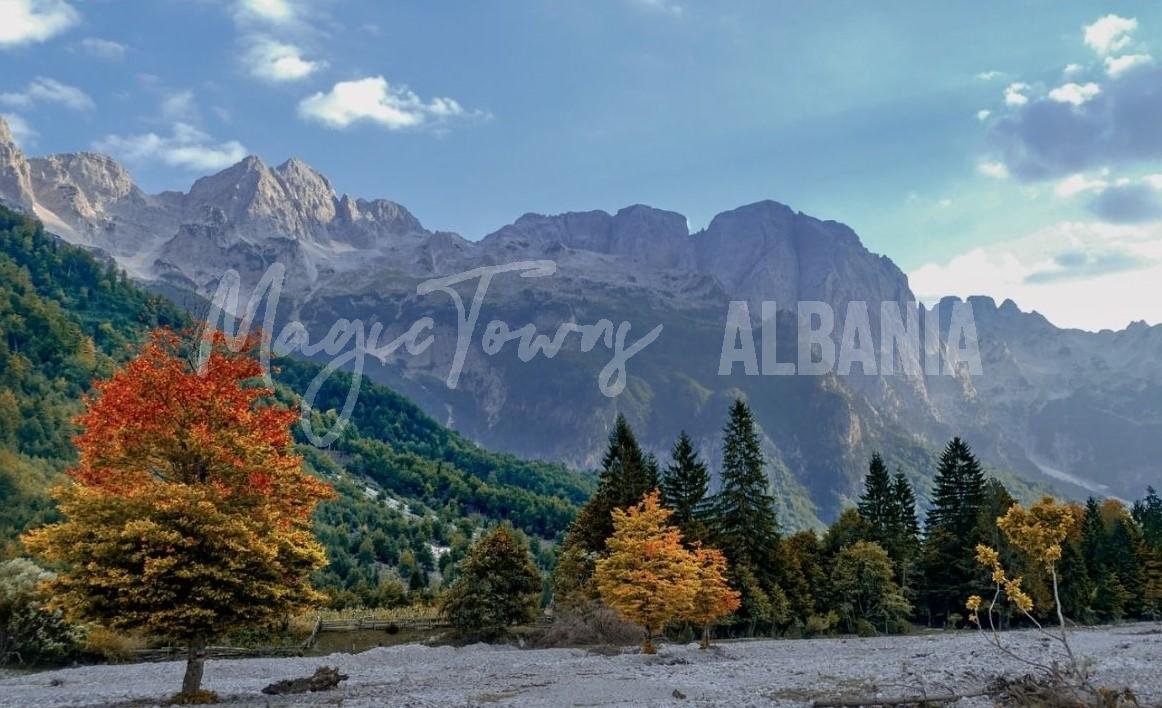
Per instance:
(759,672)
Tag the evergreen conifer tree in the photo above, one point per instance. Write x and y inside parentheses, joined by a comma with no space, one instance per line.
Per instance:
(876,504)
(950,568)
(959,494)
(684,488)
(498,586)
(1148,514)
(743,521)
(627,475)
(904,544)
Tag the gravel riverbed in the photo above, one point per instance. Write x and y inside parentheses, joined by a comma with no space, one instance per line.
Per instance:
(742,673)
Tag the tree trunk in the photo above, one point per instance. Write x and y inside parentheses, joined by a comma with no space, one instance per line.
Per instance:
(195,665)
(648,643)
(705,643)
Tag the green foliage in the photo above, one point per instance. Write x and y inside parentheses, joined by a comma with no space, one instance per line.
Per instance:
(952,530)
(863,589)
(30,633)
(876,504)
(1148,513)
(742,518)
(65,319)
(391,441)
(498,586)
(684,487)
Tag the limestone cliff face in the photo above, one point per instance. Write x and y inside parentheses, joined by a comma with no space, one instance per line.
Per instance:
(15,177)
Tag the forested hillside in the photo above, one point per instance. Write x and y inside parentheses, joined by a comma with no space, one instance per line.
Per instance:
(411,492)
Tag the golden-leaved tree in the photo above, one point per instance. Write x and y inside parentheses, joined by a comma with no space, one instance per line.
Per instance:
(188,515)
(650,578)
(714,597)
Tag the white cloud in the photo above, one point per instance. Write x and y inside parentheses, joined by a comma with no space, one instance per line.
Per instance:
(1015,94)
(1078,274)
(31,21)
(103,48)
(1077,184)
(373,100)
(1072,69)
(272,11)
(1075,94)
(21,131)
(670,8)
(45,90)
(179,106)
(990,75)
(1110,34)
(185,147)
(272,60)
(996,170)
(983,114)
(1116,66)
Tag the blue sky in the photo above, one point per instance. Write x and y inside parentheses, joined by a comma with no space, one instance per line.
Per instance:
(471,114)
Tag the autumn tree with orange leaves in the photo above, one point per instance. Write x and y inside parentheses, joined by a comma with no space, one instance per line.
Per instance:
(714,597)
(188,515)
(651,579)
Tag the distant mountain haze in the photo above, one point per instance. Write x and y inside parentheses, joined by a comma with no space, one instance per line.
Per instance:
(1077,411)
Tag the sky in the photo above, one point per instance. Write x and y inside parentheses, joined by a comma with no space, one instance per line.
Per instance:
(997,148)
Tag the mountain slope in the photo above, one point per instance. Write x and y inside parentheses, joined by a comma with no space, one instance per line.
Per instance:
(411,491)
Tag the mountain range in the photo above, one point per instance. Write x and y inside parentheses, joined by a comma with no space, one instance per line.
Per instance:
(1080,412)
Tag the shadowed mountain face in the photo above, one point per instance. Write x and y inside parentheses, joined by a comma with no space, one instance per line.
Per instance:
(1072,409)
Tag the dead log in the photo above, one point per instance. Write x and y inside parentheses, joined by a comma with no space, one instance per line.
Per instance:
(324,679)
(921,700)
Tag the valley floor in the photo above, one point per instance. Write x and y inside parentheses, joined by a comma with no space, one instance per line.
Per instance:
(759,672)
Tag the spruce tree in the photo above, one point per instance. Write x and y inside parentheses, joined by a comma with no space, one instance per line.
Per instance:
(627,475)
(1148,513)
(684,488)
(743,519)
(950,568)
(904,544)
(959,493)
(876,504)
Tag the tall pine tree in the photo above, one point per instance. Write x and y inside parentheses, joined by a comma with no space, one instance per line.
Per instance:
(743,521)
(949,550)
(684,486)
(876,504)
(959,494)
(627,475)
(904,544)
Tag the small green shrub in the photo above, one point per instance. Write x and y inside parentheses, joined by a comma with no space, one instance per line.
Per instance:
(30,633)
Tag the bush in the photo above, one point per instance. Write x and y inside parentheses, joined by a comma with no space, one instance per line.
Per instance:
(29,632)
(498,586)
(588,624)
(864,628)
(822,624)
(111,646)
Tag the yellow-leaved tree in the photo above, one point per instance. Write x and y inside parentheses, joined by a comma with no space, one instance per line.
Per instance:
(1038,533)
(189,513)
(647,576)
(714,597)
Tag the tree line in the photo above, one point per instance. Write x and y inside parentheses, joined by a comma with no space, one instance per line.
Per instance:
(877,568)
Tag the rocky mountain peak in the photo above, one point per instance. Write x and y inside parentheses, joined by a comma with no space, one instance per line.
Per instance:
(6,138)
(97,177)
(15,180)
